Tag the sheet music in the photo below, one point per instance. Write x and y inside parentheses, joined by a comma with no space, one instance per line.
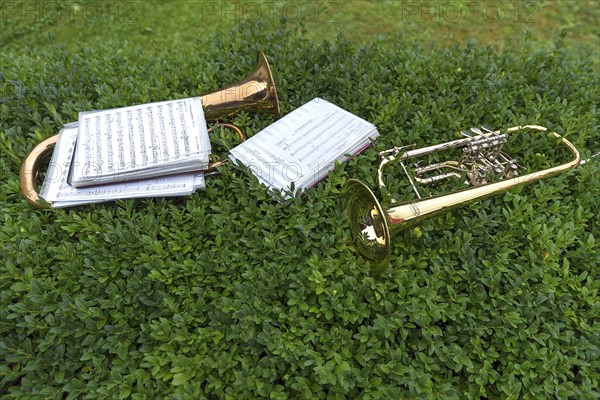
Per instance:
(303,146)
(140,141)
(60,193)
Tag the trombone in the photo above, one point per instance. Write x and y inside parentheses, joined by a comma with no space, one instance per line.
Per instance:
(487,168)
(255,93)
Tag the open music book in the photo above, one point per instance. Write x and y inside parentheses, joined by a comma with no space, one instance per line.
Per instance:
(303,146)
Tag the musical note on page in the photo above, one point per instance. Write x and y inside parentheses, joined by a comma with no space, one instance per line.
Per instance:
(57,191)
(303,146)
(139,142)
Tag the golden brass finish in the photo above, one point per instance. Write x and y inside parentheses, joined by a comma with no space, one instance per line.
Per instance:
(372,223)
(256,93)
(212,167)
(30,170)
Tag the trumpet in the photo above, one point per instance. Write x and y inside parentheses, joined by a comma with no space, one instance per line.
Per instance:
(255,93)
(486,168)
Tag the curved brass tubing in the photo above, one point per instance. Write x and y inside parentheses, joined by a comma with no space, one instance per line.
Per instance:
(255,93)
(372,223)
(30,169)
(212,167)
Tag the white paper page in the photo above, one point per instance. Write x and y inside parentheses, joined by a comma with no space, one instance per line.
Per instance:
(199,182)
(303,146)
(56,189)
(113,144)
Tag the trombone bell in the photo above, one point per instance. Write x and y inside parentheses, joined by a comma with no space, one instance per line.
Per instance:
(373,222)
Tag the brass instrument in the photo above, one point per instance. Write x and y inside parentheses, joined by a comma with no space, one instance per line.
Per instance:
(482,158)
(255,93)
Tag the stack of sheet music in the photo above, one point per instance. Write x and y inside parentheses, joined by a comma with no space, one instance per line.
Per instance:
(302,147)
(149,150)
(160,149)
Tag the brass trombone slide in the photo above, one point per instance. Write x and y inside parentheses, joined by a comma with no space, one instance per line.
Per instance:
(373,222)
(255,93)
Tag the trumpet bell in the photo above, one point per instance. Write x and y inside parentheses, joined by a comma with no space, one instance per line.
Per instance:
(489,170)
(368,224)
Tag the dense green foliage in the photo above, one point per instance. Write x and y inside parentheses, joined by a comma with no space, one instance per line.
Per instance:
(231,294)
(157,24)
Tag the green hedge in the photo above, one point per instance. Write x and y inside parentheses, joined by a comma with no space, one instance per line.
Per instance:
(231,294)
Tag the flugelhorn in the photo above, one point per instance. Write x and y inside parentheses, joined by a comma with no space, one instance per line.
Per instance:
(255,93)
(484,166)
